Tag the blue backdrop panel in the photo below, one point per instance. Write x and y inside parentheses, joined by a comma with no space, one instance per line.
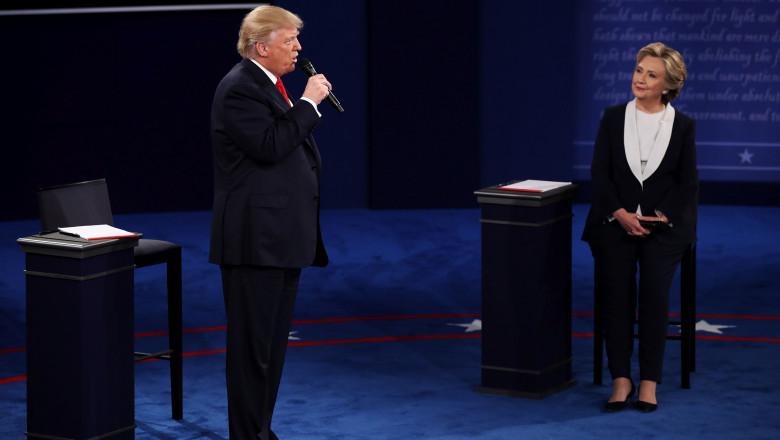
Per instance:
(127,95)
(732,51)
(333,38)
(528,90)
(122,96)
(423,120)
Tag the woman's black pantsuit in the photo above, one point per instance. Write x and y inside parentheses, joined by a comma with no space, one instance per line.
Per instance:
(615,272)
(669,185)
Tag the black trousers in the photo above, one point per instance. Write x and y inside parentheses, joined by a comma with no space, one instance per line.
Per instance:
(616,278)
(259,303)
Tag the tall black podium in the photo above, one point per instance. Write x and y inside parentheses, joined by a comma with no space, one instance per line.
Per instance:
(526,291)
(79,337)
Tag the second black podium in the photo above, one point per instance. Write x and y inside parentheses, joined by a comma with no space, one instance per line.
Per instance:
(79,337)
(526,291)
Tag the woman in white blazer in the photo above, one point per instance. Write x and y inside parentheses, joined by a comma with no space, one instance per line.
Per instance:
(643,216)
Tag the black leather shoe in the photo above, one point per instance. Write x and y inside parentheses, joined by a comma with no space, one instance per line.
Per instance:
(612,407)
(646,407)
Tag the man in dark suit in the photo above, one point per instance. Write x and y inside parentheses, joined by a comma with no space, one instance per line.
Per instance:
(265,222)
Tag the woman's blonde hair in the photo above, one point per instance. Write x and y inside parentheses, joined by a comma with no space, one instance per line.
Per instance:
(674,64)
(261,24)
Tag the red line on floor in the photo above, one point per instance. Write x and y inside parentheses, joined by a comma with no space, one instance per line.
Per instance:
(11,350)
(324,320)
(398,338)
(205,329)
(736,338)
(337,341)
(203,352)
(381,318)
(767,318)
(704,315)
(13,379)
(398,317)
(381,339)
(160,333)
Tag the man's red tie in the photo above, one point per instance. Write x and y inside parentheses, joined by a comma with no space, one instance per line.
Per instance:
(280,86)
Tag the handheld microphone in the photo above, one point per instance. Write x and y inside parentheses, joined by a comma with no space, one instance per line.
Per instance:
(308,69)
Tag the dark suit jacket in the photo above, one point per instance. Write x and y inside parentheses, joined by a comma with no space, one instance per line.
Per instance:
(672,189)
(266,175)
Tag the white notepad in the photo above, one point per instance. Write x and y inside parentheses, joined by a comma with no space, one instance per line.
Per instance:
(96,232)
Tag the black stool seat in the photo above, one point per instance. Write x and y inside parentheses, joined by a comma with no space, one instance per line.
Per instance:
(150,251)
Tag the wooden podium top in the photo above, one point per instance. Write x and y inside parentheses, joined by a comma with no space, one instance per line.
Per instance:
(61,245)
(494,195)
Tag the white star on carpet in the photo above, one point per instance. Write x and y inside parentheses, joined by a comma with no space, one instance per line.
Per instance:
(746,156)
(290,337)
(473,326)
(704,326)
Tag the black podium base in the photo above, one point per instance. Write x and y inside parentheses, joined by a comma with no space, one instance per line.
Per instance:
(526,292)
(526,382)
(526,394)
(127,433)
(80,363)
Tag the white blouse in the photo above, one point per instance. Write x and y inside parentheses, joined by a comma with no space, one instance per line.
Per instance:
(645,139)
(647,127)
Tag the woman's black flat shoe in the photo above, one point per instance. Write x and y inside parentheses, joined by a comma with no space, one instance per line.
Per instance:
(612,407)
(646,407)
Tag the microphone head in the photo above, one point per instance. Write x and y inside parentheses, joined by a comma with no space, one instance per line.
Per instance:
(306,67)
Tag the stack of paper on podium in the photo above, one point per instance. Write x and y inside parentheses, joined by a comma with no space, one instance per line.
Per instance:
(96,232)
(534,185)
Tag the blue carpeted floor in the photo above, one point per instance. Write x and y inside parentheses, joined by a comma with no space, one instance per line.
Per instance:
(412,373)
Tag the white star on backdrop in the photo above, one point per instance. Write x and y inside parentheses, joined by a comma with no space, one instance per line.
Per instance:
(746,156)
(290,337)
(704,326)
(473,326)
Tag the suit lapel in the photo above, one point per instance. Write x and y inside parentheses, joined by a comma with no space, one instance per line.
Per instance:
(283,106)
(661,142)
(267,85)
(631,142)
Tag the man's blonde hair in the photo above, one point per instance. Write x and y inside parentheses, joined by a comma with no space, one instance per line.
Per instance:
(261,25)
